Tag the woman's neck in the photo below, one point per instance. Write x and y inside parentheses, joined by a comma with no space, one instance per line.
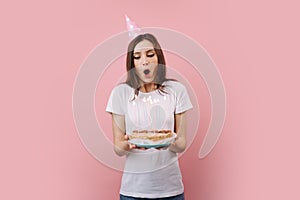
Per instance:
(148,87)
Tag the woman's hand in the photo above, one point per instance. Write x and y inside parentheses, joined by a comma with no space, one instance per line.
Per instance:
(121,144)
(133,146)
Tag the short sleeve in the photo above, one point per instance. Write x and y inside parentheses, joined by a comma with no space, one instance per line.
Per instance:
(116,101)
(183,102)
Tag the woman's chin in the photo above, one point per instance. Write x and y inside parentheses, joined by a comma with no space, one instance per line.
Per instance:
(147,80)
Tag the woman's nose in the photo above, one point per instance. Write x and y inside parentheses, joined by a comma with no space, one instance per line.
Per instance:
(145,60)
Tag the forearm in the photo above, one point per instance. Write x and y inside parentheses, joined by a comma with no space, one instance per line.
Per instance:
(178,146)
(121,145)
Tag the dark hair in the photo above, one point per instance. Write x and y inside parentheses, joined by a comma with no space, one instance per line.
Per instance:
(132,79)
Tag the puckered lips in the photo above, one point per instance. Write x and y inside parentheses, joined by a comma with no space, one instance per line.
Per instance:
(146,71)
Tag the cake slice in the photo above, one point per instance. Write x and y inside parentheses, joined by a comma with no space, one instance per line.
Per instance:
(153,135)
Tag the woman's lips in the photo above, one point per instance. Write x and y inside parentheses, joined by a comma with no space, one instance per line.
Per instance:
(146,71)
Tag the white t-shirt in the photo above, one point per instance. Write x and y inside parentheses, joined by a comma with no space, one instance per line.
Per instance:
(150,173)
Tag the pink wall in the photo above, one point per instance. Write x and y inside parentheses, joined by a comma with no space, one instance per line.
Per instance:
(255,45)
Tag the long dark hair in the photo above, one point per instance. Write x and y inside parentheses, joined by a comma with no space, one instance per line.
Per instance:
(132,79)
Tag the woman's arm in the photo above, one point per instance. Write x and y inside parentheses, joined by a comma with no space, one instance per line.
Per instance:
(180,128)
(121,144)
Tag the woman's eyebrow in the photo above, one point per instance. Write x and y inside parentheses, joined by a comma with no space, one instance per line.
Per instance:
(144,51)
(150,50)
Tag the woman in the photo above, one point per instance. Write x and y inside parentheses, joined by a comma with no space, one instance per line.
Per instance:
(149,101)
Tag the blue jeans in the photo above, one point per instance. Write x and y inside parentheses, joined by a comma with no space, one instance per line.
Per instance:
(177,197)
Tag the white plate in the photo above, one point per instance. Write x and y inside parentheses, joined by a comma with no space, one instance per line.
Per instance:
(153,144)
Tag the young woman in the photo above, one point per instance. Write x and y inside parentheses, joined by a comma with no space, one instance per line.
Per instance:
(149,101)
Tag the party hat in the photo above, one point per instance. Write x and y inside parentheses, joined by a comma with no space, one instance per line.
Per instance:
(133,29)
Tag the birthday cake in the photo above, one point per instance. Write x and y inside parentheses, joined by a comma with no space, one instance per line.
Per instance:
(153,135)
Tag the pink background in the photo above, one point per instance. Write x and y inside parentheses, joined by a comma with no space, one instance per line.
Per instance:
(254,43)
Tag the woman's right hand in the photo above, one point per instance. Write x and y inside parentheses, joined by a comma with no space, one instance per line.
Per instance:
(132,146)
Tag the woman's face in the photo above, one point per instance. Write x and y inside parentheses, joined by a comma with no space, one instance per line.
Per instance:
(145,61)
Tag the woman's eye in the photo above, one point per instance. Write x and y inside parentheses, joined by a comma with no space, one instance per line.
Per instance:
(136,57)
(150,54)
